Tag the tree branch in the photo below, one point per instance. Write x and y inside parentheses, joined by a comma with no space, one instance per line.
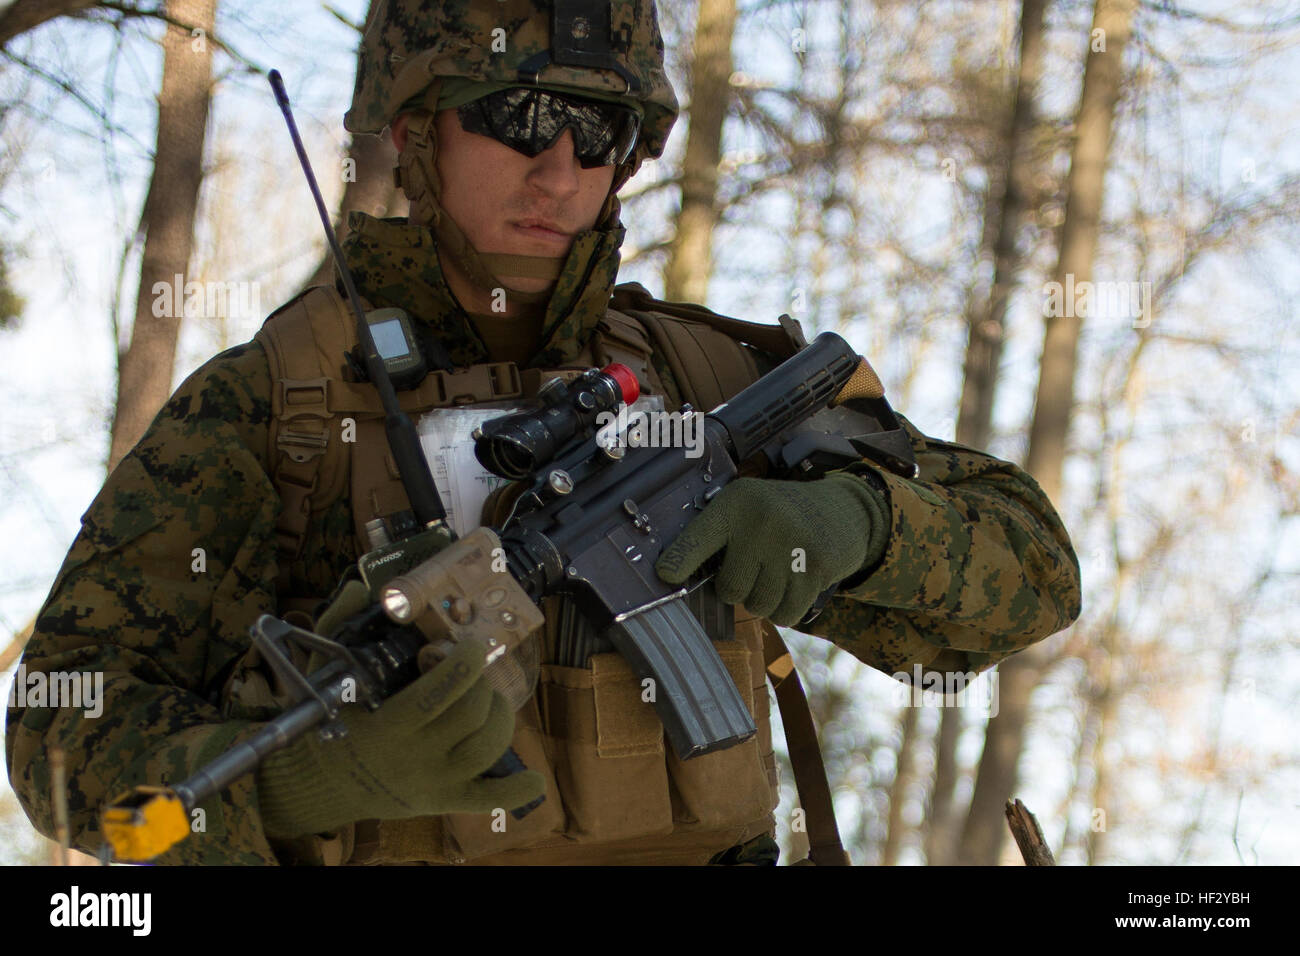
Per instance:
(1029,835)
(1167,8)
(159,13)
(24,15)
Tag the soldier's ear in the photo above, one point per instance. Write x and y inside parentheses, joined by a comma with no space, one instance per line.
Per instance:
(398,127)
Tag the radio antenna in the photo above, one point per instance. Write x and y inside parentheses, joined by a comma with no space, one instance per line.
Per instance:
(402,439)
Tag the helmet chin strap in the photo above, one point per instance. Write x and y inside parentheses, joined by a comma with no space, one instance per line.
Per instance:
(417,175)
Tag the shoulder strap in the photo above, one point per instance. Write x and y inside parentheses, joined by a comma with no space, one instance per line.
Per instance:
(304,343)
(621,338)
(704,352)
(825,848)
(781,340)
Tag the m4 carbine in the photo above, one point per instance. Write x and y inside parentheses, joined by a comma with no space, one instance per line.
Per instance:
(594,518)
(591,520)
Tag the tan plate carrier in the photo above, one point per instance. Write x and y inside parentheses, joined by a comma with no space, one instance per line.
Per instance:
(700,357)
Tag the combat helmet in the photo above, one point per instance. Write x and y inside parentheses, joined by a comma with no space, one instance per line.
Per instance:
(610,49)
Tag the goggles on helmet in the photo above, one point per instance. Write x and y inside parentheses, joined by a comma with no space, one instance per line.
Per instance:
(531,121)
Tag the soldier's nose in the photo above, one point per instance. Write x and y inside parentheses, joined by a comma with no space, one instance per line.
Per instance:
(556,169)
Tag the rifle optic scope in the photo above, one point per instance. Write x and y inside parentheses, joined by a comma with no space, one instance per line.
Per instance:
(515,446)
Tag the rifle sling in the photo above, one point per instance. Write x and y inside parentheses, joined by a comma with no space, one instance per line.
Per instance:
(824,845)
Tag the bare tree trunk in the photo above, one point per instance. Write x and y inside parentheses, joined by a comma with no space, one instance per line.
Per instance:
(1083,750)
(987,325)
(1084,191)
(985,826)
(983,834)
(690,261)
(1103,695)
(1103,708)
(941,822)
(904,777)
(986,329)
(145,369)
(369,189)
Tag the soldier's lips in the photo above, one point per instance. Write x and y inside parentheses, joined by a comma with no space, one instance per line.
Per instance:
(543,232)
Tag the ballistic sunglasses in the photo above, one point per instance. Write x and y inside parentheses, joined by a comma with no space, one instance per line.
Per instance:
(530,121)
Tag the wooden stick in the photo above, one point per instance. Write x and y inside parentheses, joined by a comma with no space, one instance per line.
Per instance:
(15,646)
(59,784)
(1029,835)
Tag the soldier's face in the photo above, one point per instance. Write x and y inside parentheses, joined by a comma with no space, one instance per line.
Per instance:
(507,202)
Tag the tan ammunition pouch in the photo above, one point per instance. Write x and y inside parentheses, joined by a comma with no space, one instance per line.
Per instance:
(615,793)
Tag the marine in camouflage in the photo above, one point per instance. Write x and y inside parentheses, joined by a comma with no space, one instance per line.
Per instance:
(978,566)
(177,555)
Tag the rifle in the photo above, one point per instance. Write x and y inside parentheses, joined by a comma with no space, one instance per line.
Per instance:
(591,520)
(594,517)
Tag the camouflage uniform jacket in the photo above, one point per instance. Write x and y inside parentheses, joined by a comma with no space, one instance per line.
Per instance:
(176,557)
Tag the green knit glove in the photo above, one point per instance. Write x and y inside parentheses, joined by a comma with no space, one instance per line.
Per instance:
(421,753)
(786,541)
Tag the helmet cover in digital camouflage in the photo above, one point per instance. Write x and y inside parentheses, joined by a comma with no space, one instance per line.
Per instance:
(609,49)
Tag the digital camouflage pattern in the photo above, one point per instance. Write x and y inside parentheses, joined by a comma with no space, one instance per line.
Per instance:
(397,263)
(128,602)
(978,566)
(406,42)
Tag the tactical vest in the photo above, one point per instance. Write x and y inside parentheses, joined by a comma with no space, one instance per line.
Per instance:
(615,792)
